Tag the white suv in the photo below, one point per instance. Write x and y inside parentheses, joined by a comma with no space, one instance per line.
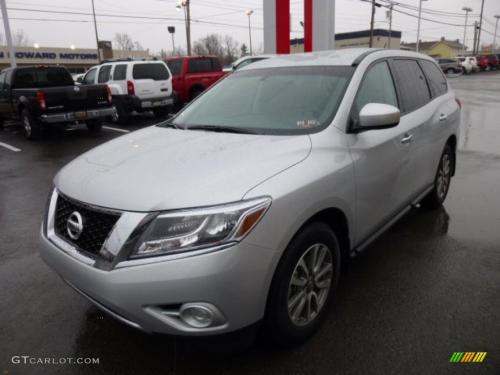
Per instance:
(468,64)
(136,85)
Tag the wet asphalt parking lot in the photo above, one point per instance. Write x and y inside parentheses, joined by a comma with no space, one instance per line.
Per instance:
(425,289)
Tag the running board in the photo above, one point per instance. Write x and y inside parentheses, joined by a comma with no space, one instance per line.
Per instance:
(414,204)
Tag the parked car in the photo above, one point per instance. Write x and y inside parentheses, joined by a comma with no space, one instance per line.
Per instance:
(468,64)
(449,66)
(193,74)
(488,62)
(244,61)
(40,96)
(242,207)
(136,85)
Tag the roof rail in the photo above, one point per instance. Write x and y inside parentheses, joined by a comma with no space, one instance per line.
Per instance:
(116,60)
(361,57)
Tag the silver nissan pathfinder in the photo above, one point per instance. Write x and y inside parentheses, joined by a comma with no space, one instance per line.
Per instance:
(242,207)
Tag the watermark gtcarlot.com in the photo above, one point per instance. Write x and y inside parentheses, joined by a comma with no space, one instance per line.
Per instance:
(54,361)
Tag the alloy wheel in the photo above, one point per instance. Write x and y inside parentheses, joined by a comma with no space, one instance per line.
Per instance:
(444,176)
(310,284)
(27,126)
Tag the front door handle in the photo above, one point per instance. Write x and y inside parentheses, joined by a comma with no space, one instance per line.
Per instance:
(408,138)
(443,117)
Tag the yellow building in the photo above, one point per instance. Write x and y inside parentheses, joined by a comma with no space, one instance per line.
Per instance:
(439,49)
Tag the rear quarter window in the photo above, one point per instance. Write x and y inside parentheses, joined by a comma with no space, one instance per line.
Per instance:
(120,73)
(156,72)
(412,84)
(175,66)
(104,74)
(435,78)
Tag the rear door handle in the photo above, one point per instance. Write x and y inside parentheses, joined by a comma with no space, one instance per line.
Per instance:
(408,138)
(443,117)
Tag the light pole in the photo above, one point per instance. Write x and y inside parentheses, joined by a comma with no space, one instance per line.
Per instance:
(186,5)
(417,48)
(8,35)
(493,49)
(391,7)
(171,30)
(249,14)
(466,10)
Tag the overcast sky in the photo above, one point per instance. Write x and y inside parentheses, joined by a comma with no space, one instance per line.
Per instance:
(50,29)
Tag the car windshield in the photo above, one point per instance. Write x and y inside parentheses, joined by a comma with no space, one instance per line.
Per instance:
(288,100)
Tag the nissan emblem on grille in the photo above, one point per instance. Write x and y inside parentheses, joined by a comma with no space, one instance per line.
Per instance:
(74,225)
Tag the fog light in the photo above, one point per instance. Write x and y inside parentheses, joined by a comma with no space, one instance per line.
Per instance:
(197,316)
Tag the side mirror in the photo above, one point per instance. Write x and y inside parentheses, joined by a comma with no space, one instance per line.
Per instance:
(378,116)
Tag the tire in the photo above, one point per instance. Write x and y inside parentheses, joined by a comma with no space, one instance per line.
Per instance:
(32,128)
(196,91)
(121,115)
(437,196)
(449,71)
(160,112)
(94,126)
(289,326)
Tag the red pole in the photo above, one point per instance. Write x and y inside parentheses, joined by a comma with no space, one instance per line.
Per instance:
(308,25)
(282,26)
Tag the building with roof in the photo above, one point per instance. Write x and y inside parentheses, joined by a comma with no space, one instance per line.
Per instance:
(355,39)
(439,49)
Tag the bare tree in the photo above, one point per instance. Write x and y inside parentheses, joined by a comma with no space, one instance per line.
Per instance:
(20,38)
(124,41)
(231,48)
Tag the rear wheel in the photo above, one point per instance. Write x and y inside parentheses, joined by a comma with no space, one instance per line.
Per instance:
(121,115)
(196,91)
(303,285)
(94,126)
(442,180)
(32,128)
(160,112)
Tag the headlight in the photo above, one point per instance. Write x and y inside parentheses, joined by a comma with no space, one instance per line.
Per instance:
(194,229)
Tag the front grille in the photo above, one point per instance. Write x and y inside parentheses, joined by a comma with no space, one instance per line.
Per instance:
(97,224)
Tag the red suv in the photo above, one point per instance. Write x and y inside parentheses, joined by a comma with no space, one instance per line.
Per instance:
(193,74)
(488,62)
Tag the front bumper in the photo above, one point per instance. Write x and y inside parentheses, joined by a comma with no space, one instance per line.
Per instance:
(235,280)
(77,116)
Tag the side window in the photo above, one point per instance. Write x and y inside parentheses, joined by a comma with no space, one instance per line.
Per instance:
(200,65)
(412,84)
(120,73)
(435,78)
(90,76)
(104,74)
(377,87)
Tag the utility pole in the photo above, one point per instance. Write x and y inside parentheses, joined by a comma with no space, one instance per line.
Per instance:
(96,34)
(493,47)
(474,49)
(8,35)
(391,6)
(466,10)
(480,26)
(417,48)
(371,24)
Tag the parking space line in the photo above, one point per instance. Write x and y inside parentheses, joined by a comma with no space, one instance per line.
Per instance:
(9,147)
(116,129)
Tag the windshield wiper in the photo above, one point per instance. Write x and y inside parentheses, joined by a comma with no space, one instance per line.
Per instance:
(221,129)
(167,124)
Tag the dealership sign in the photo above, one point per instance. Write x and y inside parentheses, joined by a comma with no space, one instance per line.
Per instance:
(54,56)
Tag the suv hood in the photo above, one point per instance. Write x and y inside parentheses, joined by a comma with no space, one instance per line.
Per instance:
(162,168)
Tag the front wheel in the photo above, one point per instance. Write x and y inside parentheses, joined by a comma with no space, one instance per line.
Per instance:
(303,284)
(442,180)
(32,128)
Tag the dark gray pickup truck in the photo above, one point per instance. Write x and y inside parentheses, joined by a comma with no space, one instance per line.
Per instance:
(44,95)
